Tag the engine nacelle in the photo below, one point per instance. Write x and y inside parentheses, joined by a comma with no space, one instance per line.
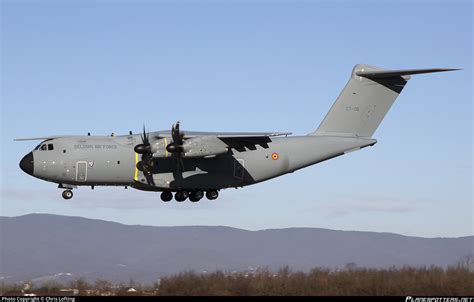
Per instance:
(194,147)
(204,146)
(158,148)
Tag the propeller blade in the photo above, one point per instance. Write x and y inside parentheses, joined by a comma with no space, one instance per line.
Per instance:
(176,146)
(178,161)
(145,137)
(181,162)
(146,164)
(176,134)
(144,147)
(149,179)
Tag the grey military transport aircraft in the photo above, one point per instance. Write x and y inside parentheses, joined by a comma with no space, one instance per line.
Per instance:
(194,164)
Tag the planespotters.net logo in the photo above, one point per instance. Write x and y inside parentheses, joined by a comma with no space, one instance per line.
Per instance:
(439,299)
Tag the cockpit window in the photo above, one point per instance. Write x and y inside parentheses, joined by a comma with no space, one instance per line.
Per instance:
(44,147)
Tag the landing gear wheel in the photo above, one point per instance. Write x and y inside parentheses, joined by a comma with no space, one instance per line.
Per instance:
(212,194)
(166,196)
(181,196)
(67,194)
(195,196)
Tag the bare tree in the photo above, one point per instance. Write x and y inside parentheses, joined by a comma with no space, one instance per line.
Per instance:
(466,262)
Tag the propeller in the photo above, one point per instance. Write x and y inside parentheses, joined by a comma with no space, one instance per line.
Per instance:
(147,163)
(176,147)
(144,147)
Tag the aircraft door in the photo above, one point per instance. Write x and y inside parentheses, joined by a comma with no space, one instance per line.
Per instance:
(81,171)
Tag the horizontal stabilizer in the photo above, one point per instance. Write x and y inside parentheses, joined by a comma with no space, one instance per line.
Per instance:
(395,73)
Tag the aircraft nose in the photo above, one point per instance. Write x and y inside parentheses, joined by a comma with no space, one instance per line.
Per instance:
(26,163)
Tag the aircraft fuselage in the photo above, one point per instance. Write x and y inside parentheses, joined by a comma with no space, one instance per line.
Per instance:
(112,161)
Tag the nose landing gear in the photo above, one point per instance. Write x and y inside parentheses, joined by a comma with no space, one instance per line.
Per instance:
(67,194)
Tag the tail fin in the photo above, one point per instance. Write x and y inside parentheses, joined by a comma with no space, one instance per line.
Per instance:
(365,100)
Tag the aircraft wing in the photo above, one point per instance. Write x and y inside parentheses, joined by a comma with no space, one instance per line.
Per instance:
(191,134)
(248,141)
(240,141)
(42,138)
(250,134)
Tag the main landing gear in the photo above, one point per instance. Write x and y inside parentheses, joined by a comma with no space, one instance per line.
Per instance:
(166,196)
(67,194)
(194,196)
(181,196)
(212,194)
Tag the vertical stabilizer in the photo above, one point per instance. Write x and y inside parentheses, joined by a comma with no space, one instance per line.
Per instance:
(365,100)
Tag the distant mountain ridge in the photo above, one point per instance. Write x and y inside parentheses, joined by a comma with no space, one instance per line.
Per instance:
(46,246)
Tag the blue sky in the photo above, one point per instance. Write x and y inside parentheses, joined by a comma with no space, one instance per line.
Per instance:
(103,66)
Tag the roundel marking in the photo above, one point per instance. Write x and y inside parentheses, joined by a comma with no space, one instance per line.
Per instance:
(275,156)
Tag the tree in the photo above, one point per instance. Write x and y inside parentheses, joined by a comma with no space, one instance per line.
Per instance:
(466,262)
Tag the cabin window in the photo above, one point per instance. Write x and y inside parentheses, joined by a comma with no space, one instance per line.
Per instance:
(50,147)
(43,147)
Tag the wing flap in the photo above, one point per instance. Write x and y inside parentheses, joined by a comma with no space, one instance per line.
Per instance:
(242,144)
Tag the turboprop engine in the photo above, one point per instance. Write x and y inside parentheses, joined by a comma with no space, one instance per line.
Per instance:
(203,146)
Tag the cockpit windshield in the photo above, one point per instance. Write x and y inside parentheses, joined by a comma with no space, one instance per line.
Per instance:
(44,147)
